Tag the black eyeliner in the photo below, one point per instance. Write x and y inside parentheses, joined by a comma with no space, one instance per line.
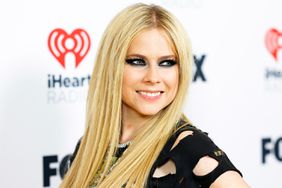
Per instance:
(170,61)
(131,61)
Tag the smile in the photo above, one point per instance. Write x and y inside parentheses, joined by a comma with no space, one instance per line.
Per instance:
(150,95)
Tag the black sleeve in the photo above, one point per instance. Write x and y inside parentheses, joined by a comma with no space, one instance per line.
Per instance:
(70,159)
(191,149)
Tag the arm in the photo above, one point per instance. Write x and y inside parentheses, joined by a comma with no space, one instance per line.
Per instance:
(229,179)
(211,166)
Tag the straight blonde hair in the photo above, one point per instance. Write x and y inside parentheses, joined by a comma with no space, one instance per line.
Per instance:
(104,113)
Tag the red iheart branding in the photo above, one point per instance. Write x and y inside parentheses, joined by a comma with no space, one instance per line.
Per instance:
(60,43)
(272,42)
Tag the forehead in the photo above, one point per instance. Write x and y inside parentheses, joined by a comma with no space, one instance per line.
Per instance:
(152,41)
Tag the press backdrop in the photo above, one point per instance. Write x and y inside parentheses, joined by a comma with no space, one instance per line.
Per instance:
(47,52)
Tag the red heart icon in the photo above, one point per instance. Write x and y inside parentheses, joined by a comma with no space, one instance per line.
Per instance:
(60,43)
(272,42)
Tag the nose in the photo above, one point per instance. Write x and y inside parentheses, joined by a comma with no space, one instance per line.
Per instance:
(152,75)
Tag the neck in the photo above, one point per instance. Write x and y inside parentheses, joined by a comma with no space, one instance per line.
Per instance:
(132,122)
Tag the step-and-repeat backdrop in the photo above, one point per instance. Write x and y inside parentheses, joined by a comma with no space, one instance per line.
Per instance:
(47,51)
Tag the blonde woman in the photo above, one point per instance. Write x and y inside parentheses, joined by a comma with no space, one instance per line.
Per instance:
(136,134)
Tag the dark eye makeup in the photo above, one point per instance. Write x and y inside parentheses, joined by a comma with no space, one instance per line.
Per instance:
(136,61)
(142,62)
(167,63)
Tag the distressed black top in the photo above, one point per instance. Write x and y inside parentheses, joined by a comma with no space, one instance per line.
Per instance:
(185,155)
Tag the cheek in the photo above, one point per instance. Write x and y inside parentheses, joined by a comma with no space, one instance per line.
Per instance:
(171,78)
(126,77)
(130,79)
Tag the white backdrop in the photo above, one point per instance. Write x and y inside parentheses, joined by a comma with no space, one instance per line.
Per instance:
(239,103)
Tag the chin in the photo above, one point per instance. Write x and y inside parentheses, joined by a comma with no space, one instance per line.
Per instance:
(149,113)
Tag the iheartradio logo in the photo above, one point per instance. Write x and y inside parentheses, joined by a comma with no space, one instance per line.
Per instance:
(273,42)
(60,43)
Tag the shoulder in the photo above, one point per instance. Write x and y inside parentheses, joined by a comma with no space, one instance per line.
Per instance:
(191,143)
(194,145)
(194,152)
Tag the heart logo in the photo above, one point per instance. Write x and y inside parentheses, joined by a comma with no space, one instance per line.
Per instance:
(272,38)
(60,43)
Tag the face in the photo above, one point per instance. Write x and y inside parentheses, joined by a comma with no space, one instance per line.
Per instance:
(151,74)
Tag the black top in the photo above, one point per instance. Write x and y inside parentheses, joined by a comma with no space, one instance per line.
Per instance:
(185,156)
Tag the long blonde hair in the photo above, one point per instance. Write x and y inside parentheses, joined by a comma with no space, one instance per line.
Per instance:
(103,117)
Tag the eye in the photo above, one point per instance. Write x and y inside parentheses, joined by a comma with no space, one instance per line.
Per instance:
(167,63)
(136,62)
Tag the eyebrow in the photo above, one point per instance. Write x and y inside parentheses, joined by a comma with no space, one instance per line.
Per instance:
(159,58)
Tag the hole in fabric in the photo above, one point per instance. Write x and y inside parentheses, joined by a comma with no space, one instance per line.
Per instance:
(164,170)
(205,165)
(180,137)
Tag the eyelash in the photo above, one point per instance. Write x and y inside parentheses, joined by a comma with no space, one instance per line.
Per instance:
(136,62)
(141,62)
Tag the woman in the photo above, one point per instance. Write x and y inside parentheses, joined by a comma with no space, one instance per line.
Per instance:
(136,134)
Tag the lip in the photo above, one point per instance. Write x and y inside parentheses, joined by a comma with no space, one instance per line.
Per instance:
(150,95)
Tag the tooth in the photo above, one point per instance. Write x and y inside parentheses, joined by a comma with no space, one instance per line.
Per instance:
(150,94)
